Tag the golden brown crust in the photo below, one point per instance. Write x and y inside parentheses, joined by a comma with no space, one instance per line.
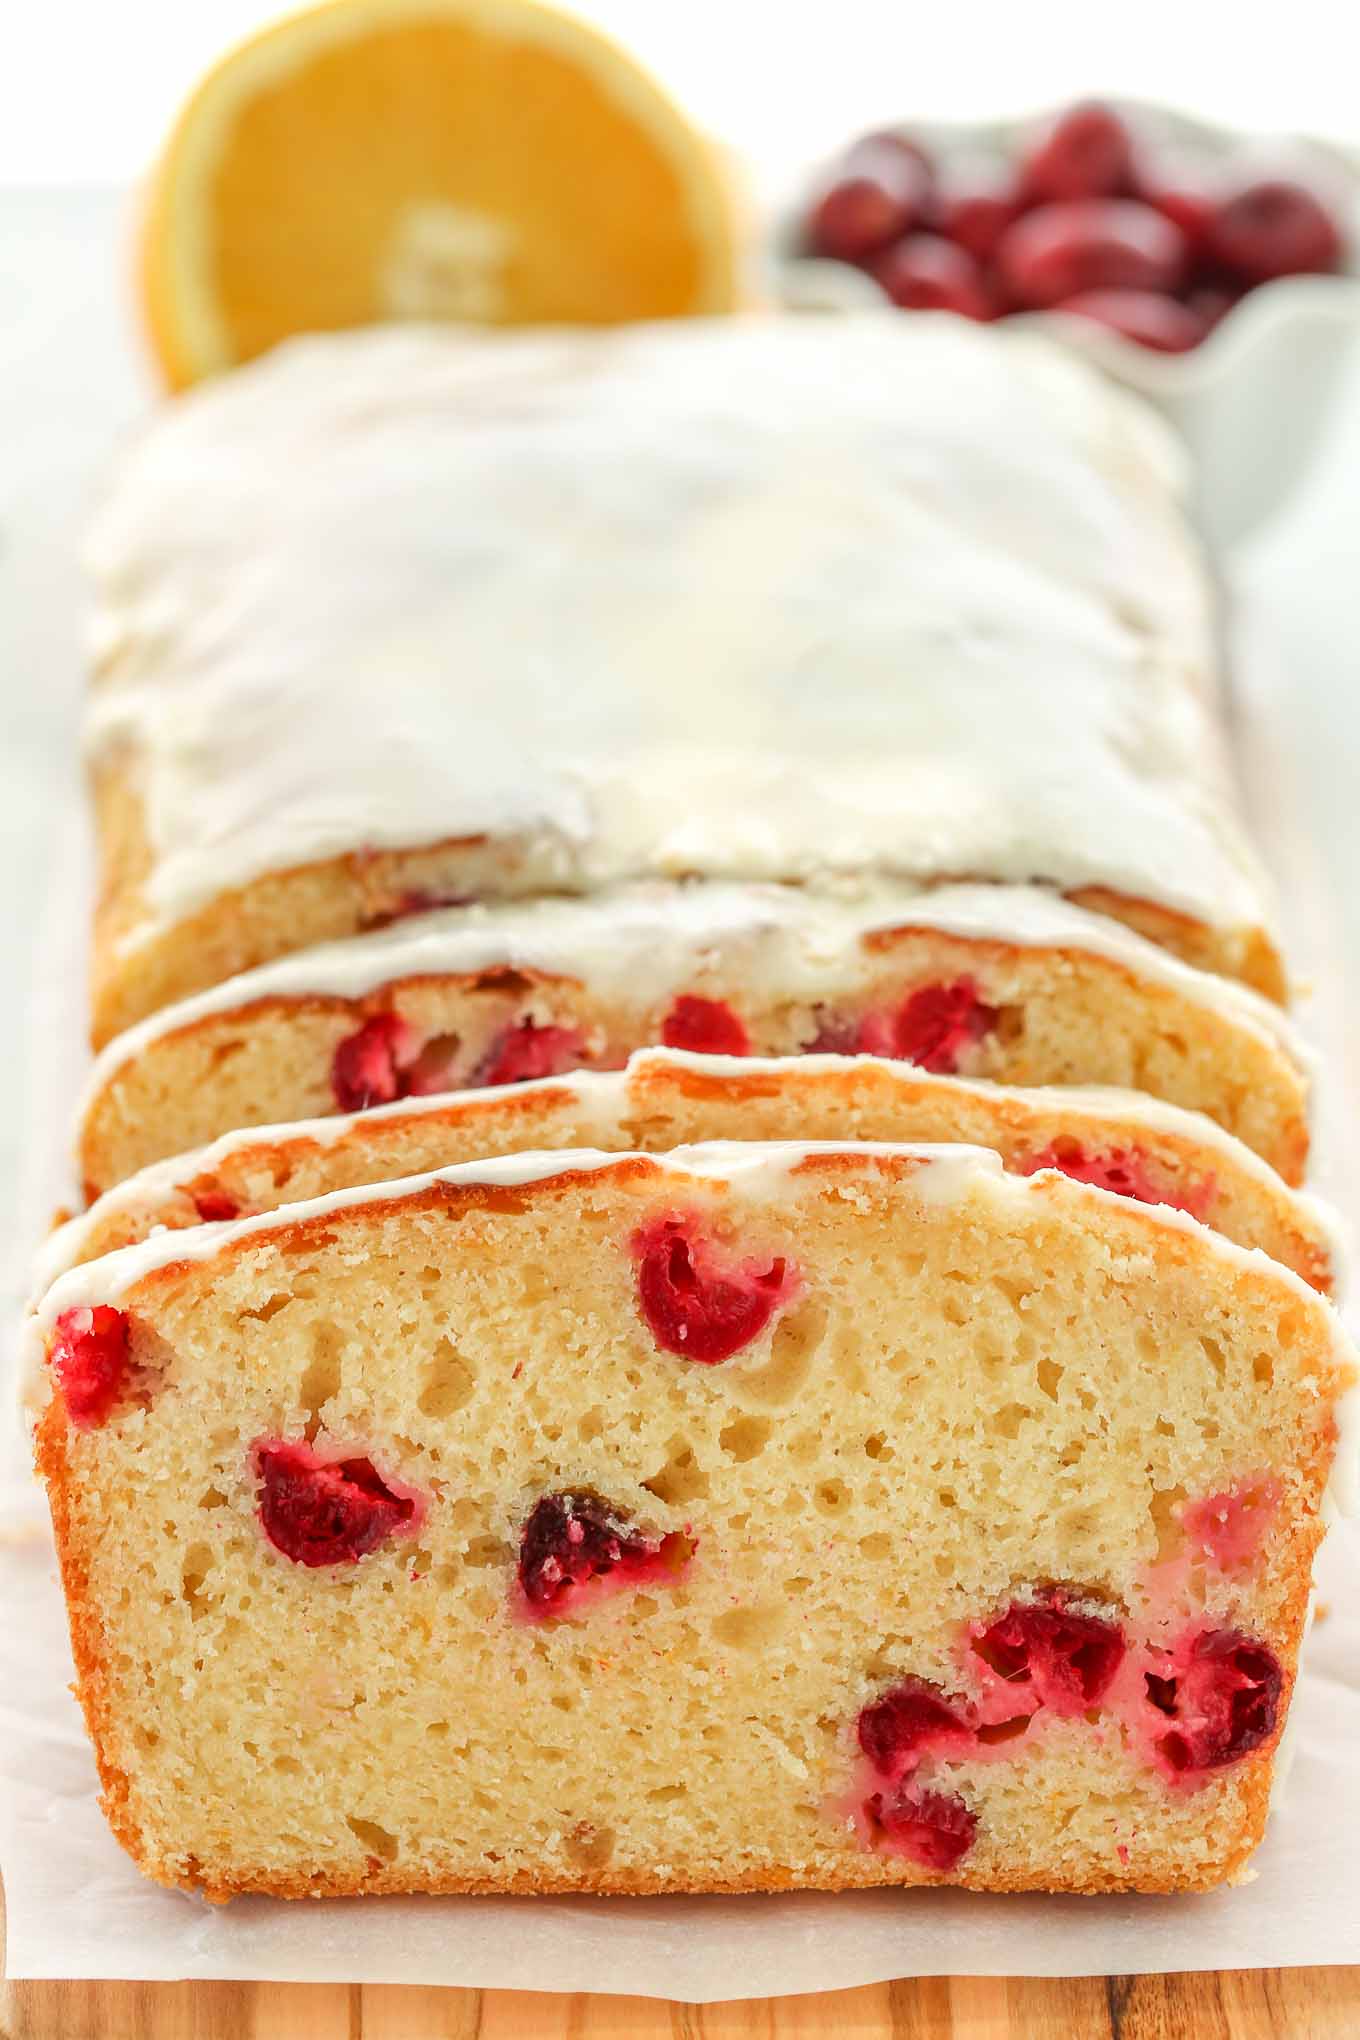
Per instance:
(139,967)
(1067,1016)
(669,1103)
(1305,1252)
(135,971)
(300,1165)
(1144,1229)
(873,1872)
(1247,953)
(52,1462)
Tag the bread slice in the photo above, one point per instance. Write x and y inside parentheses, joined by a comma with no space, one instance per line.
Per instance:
(747,1519)
(417,615)
(666,1098)
(1003,982)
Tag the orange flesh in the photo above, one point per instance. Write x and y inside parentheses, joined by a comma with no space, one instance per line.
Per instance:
(409,134)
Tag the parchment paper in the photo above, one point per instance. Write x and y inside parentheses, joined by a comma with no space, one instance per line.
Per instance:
(77,1908)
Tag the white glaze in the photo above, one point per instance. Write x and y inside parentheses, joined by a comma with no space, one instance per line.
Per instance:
(601,1100)
(643,943)
(758,1169)
(748,599)
(763,1172)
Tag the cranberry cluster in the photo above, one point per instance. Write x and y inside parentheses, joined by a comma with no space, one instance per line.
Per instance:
(1124,1170)
(383,1061)
(1091,220)
(1209,1700)
(1055,1657)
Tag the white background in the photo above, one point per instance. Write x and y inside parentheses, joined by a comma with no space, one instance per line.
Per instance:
(87,87)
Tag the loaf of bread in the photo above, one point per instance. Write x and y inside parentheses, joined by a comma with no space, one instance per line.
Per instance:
(1006,982)
(694,1274)
(404,617)
(742,1519)
(1122,1141)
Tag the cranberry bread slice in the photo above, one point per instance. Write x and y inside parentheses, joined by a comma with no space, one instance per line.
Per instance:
(400,616)
(1120,1140)
(970,1516)
(1003,982)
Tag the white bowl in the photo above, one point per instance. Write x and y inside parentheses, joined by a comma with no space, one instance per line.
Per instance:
(1253,399)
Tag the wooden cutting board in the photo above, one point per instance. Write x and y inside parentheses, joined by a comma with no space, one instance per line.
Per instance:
(1303,2004)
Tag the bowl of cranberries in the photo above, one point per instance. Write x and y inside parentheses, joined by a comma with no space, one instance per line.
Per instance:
(1147,234)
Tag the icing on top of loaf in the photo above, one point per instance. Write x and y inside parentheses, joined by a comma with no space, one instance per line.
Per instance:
(644,942)
(751,599)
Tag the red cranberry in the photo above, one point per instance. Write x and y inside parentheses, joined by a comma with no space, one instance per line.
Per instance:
(367,1068)
(1274,227)
(1090,244)
(213,1204)
(1087,152)
(911,1720)
(89,1356)
(575,1538)
(694,1304)
(1067,1660)
(325,1512)
(1143,316)
(975,202)
(1224,1700)
(882,193)
(856,217)
(1123,1170)
(434,1069)
(892,142)
(526,1051)
(934,1829)
(926,273)
(934,1028)
(1212,302)
(705,1026)
(1126,1174)
(1185,192)
(836,1034)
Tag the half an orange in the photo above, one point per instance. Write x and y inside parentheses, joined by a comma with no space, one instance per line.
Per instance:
(486,160)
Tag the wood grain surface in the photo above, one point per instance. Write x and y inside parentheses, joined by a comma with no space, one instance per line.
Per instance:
(1256,2004)
(1304,2004)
